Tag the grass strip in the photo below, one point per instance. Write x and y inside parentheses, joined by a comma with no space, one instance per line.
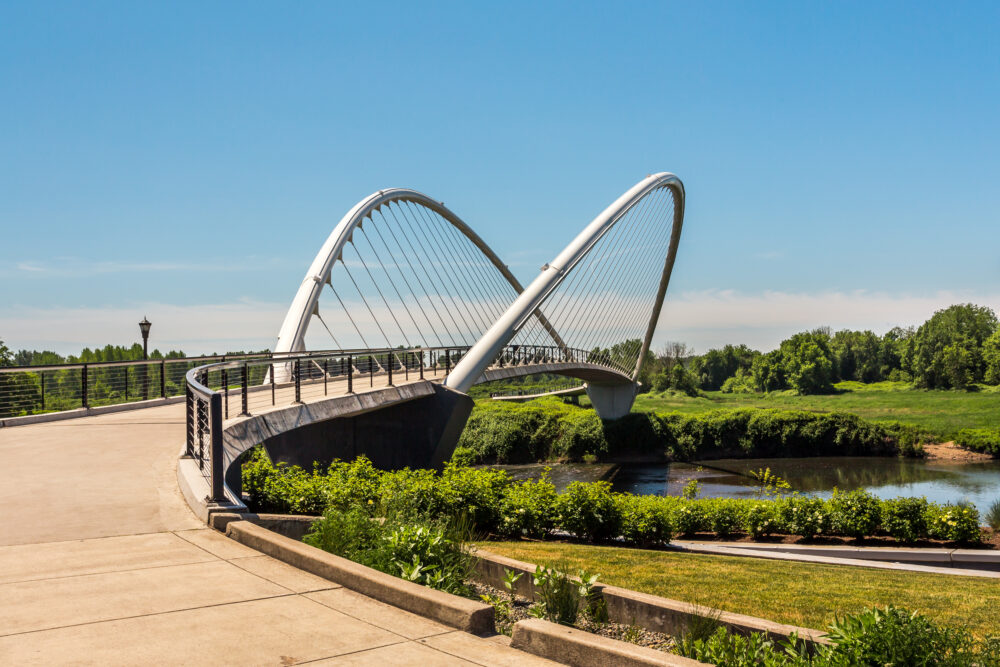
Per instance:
(804,594)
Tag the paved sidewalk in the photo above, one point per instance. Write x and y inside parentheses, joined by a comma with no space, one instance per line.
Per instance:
(101,562)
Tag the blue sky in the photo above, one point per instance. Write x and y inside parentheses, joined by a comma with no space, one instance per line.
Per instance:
(186,160)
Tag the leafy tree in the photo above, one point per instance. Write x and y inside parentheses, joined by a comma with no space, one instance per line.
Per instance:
(892,349)
(768,372)
(991,358)
(714,367)
(947,350)
(856,356)
(808,362)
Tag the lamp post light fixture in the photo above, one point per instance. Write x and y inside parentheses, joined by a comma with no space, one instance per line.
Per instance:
(144,326)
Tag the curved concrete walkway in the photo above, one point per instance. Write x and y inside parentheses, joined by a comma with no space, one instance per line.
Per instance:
(102,562)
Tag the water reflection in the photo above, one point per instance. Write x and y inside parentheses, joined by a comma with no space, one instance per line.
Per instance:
(941,482)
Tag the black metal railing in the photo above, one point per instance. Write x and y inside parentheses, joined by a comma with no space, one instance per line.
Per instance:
(245,386)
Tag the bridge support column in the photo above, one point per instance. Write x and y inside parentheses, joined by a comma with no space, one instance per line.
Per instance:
(612,401)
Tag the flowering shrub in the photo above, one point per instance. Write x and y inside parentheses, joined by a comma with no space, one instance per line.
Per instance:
(957,523)
(805,516)
(855,513)
(760,519)
(724,516)
(689,517)
(905,518)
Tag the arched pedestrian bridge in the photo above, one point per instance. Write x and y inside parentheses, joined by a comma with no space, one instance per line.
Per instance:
(418,309)
(402,311)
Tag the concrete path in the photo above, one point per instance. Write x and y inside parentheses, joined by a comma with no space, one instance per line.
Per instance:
(101,562)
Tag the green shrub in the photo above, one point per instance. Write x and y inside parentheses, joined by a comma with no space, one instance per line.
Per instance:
(725,516)
(855,513)
(432,553)
(804,515)
(644,519)
(905,518)
(476,493)
(688,516)
(354,484)
(732,650)
(761,518)
(986,440)
(549,429)
(992,517)
(895,636)
(589,510)
(955,523)
(529,508)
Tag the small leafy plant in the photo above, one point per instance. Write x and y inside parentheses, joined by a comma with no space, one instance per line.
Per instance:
(993,516)
(559,595)
(769,485)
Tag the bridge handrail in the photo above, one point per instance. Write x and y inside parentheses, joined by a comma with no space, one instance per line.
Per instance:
(207,407)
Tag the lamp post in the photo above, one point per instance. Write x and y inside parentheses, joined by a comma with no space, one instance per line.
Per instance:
(144,326)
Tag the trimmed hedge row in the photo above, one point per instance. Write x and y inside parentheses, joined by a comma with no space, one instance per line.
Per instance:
(544,430)
(497,505)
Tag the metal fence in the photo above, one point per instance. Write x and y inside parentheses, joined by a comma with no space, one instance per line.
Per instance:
(242,387)
(31,390)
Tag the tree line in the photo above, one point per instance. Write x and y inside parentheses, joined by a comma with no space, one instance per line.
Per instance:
(957,348)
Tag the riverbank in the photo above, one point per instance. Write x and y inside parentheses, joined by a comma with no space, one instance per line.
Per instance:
(949,451)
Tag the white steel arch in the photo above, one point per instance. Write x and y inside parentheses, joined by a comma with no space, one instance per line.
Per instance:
(291,336)
(468,371)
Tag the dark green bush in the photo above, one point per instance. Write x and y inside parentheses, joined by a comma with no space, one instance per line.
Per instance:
(986,440)
(905,518)
(548,430)
(855,513)
(589,511)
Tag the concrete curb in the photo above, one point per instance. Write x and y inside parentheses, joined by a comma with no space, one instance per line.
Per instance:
(582,649)
(856,560)
(88,412)
(649,611)
(915,556)
(451,610)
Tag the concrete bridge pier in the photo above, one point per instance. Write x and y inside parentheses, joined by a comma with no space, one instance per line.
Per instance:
(612,401)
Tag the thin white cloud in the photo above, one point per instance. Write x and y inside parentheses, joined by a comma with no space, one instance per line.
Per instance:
(712,318)
(77,268)
(703,319)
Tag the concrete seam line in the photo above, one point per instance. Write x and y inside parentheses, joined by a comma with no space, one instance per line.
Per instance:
(573,646)
(451,610)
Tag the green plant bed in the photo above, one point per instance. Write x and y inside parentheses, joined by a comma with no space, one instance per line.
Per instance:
(803,594)
(494,504)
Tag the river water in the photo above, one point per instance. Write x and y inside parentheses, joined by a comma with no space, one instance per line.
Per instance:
(938,481)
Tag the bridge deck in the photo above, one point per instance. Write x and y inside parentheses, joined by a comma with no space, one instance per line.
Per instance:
(102,562)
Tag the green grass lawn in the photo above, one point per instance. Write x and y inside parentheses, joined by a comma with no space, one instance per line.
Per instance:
(803,594)
(941,412)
